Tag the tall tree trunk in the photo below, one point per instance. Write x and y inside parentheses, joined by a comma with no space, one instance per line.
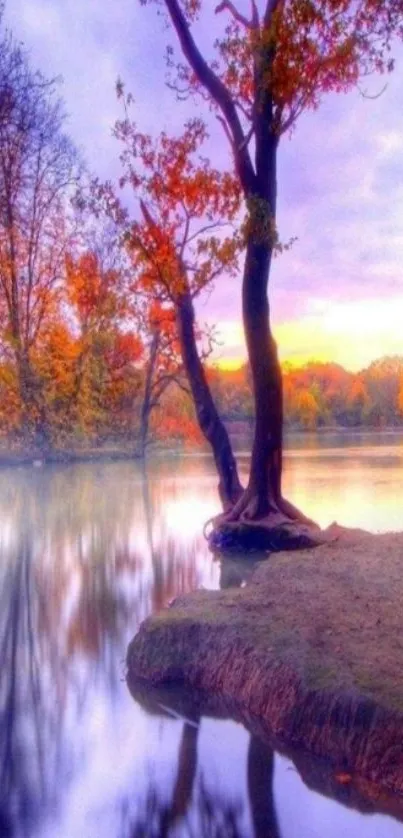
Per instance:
(258,180)
(263,495)
(210,423)
(266,463)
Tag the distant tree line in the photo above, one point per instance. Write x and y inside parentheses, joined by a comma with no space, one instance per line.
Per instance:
(94,391)
(323,395)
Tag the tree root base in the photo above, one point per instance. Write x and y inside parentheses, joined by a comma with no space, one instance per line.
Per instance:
(265,536)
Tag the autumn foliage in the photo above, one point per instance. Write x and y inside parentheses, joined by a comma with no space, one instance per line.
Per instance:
(99,340)
(321,395)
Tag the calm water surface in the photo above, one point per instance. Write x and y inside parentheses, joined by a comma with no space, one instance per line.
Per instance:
(86,553)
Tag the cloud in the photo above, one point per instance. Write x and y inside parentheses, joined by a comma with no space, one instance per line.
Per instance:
(90,45)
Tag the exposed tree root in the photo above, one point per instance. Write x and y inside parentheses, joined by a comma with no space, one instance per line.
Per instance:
(295,514)
(264,536)
(254,525)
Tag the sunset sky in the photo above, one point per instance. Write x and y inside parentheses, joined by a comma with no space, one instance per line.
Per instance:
(338,294)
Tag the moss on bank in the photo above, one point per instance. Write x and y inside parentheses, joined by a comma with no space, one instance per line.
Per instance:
(313,647)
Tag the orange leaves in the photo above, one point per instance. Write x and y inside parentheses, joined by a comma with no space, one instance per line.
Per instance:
(183,238)
(175,420)
(101,367)
(10,402)
(290,56)
(94,293)
(170,173)
(307,48)
(125,349)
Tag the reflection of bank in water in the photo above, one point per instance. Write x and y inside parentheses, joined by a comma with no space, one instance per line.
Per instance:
(190,795)
(215,815)
(191,707)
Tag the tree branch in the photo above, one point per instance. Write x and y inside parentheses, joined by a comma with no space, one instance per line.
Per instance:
(226,4)
(218,93)
(271,8)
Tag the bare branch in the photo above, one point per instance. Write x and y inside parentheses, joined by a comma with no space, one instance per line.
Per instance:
(228,134)
(218,92)
(255,15)
(215,225)
(366,95)
(185,239)
(249,135)
(227,5)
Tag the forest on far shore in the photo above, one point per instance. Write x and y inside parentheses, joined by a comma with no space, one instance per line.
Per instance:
(319,395)
(102,406)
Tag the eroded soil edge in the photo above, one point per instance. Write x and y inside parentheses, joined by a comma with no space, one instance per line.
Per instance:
(313,647)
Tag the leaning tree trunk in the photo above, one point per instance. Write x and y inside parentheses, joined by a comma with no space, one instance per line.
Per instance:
(146,406)
(185,779)
(210,423)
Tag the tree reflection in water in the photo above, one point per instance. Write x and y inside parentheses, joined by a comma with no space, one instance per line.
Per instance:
(30,719)
(86,553)
(194,808)
(81,563)
(196,811)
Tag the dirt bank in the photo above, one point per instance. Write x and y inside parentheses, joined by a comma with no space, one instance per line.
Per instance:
(312,648)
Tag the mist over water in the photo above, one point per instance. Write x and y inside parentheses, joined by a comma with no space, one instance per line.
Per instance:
(88,551)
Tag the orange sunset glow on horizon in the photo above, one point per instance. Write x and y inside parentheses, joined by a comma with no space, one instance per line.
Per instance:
(352,334)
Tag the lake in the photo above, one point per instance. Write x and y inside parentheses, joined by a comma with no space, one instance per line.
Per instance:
(87,551)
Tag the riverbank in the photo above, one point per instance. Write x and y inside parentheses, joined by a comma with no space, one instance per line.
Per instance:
(329,438)
(37,458)
(312,648)
(85,455)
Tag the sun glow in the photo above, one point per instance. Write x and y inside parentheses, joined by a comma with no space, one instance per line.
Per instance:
(348,333)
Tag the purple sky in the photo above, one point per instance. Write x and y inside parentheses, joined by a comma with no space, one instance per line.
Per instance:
(338,294)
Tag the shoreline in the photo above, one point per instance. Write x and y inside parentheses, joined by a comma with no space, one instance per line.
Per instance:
(20,457)
(311,647)
(31,458)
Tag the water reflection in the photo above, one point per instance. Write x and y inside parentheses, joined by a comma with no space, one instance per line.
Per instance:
(264,809)
(83,560)
(86,553)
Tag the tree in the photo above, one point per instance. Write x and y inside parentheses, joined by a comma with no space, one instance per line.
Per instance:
(106,381)
(162,363)
(307,409)
(267,69)
(382,384)
(38,171)
(181,243)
